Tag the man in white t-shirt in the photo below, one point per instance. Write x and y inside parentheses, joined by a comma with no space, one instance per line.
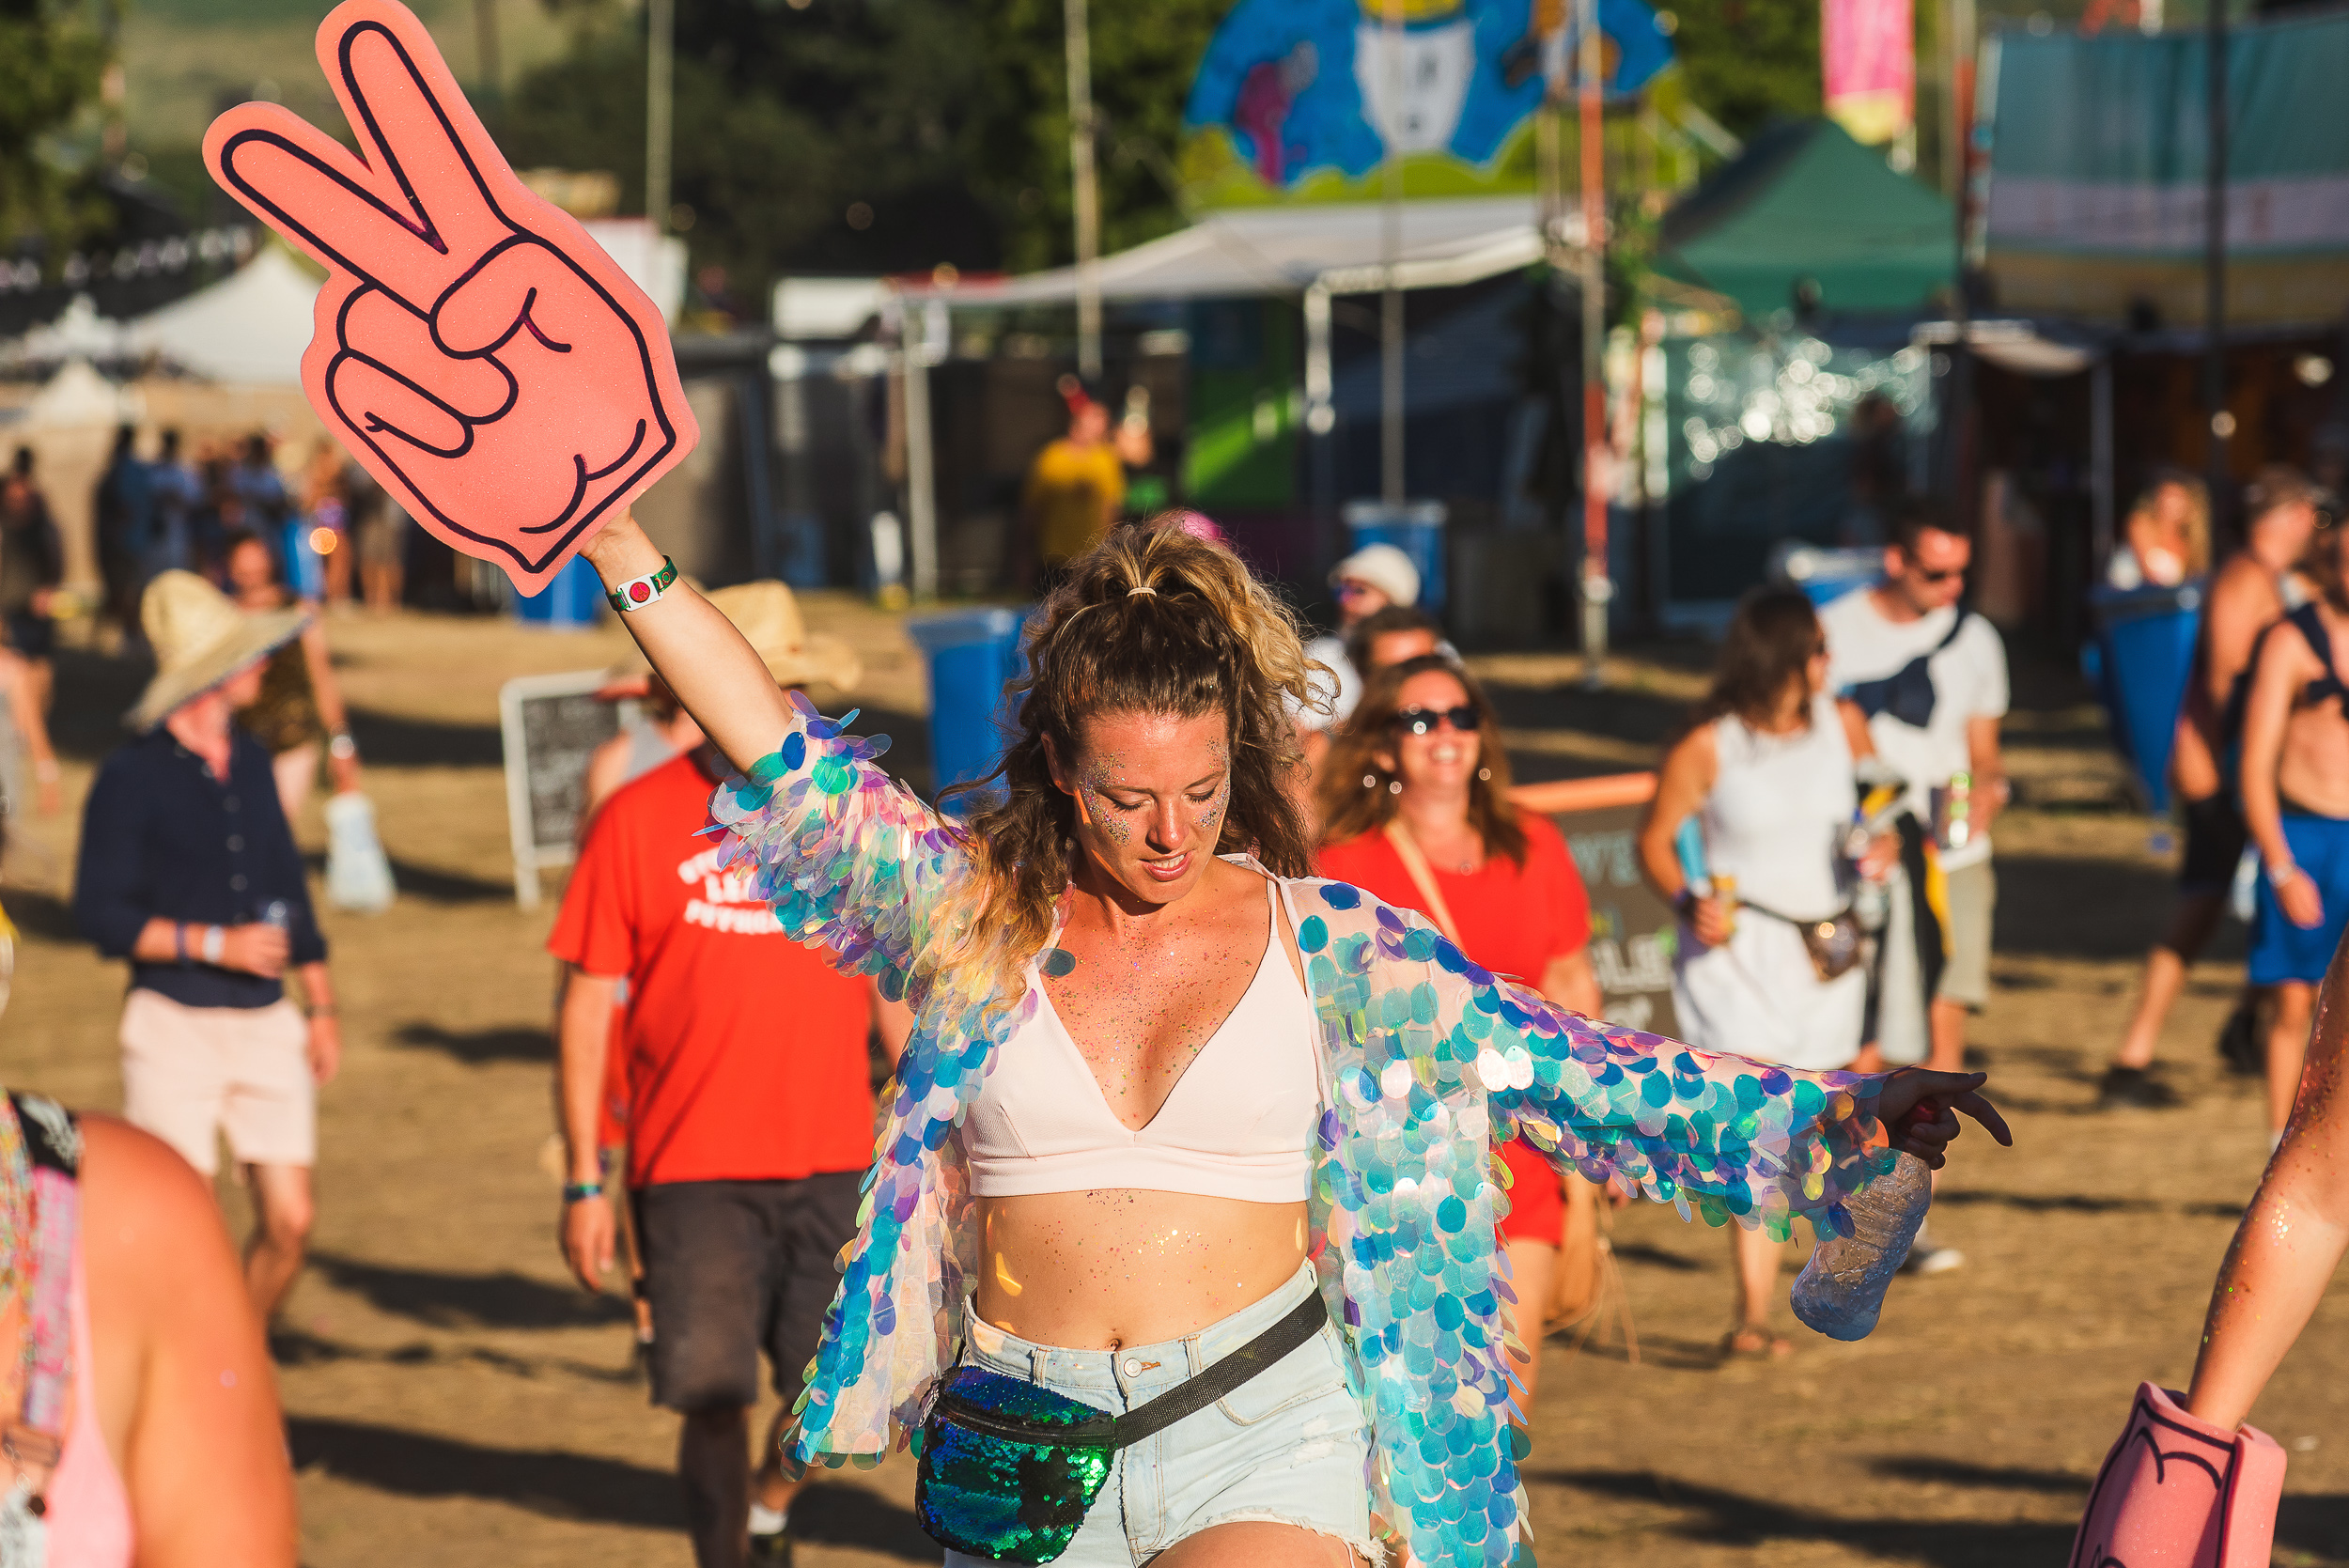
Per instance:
(1932,677)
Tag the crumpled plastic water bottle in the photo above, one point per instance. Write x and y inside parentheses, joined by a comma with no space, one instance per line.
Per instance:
(1841,1290)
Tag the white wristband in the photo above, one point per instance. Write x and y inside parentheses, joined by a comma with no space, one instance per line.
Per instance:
(2277,876)
(215,942)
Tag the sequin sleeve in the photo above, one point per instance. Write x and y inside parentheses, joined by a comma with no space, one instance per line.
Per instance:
(1721,1136)
(1728,1137)
(845,856)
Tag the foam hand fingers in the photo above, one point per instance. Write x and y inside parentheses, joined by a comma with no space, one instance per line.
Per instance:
(412,385)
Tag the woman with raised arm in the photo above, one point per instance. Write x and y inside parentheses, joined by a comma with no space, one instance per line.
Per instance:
(1179,1240)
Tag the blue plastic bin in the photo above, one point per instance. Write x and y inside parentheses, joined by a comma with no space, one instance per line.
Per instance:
(1824,574)
(1417,529)
(304,570)
(2145,641)
(574,598)
(973,655)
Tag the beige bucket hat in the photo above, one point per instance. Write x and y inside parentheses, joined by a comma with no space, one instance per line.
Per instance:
(767,614)
(200,638)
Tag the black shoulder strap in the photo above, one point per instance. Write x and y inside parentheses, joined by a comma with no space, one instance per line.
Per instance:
(1955,627)
(2312,625)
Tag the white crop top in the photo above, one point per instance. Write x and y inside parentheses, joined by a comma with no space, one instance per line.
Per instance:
(1238,1123)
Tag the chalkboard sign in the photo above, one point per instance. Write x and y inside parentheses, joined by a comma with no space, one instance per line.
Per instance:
(1633,933)
(551,725)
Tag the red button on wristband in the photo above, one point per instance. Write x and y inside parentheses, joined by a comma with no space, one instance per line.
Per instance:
(637,592)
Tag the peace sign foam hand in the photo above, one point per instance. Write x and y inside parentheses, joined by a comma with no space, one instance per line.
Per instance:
(475,349)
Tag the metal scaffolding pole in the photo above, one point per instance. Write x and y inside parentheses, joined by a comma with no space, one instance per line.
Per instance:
(1390,481)
(660,82)
(2214,264)
(1087,191)
(1597,588)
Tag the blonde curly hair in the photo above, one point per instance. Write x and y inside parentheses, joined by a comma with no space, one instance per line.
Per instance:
(1156,620)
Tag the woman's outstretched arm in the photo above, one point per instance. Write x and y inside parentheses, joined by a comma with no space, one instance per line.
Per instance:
(2292,1236)
(723,683)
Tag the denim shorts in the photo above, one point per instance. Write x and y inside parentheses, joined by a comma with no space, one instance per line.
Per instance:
(1289,1445)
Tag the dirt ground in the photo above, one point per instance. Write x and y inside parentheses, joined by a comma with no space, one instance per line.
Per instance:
(453,1398)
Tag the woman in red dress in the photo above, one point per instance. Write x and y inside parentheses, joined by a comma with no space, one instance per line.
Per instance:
(1415,810)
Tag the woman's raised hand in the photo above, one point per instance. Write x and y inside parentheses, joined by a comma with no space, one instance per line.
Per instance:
(1919,1107)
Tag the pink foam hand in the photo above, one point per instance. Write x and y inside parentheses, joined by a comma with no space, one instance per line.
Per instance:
(2177,1492)
(475,349)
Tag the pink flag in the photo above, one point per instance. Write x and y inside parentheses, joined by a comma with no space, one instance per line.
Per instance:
(1868,50)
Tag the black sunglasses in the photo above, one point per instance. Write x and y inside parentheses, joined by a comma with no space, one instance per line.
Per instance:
(1419,720)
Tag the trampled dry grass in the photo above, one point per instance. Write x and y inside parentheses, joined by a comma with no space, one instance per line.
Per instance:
(455,1399)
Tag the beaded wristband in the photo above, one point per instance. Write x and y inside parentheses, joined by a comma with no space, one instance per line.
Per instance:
(637,592)
(576,1192)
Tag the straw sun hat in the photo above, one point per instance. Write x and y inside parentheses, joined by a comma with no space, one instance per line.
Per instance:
(769,616)
(200,638)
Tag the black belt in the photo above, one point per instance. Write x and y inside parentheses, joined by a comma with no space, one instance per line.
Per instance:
(1153,1416)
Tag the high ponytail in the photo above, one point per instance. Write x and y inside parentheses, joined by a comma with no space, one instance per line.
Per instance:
(1152,620)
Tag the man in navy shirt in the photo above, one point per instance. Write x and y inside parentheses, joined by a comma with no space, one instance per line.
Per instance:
(189,870)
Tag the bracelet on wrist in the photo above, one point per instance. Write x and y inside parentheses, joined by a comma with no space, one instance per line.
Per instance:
(215,943)
(577,1191)
(638,592)
(341,747)
(2279,874)
(180,939)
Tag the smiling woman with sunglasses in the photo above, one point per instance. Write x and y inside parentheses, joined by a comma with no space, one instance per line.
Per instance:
(1415,799)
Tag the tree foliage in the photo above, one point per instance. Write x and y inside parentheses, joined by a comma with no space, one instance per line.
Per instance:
(51,63)
(1750,61)
(876,135)
(891,135)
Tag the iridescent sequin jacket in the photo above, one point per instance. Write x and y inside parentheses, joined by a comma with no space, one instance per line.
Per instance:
(1432,1062)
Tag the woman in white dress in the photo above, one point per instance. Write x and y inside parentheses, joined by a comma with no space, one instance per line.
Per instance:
(1766,771)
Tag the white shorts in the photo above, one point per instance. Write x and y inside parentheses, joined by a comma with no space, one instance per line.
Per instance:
(189,1074)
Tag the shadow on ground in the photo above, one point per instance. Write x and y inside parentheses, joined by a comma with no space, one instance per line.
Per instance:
(577,1486)
(415,1465)
(2042,900)
(2317,1525)
(851,1516)
(477,1047)
(440,885)
(400,742)
(1719,1516)
(448,1300)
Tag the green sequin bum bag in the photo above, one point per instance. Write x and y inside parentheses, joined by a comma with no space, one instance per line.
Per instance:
(1009,1466)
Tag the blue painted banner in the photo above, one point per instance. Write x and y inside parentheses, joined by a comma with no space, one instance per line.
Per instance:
(1301,100)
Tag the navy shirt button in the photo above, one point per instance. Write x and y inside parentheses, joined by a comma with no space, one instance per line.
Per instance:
(235,883)
(235,841)
(230,803)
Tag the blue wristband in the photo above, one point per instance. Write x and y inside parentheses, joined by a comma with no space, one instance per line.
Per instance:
(577,1190)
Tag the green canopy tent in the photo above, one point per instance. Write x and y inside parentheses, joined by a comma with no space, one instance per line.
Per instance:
(1804,204)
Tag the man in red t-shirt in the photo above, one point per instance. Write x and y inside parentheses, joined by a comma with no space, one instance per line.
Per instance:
(750,1122)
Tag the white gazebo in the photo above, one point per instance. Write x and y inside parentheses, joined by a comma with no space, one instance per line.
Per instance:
(1309,251)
